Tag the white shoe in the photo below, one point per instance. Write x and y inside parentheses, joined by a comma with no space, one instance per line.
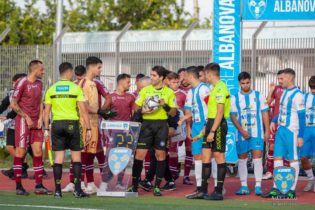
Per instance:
(68,188)
(91,188)
(120,187)
(309,186)
(268,175)
(103,187)
(83,186)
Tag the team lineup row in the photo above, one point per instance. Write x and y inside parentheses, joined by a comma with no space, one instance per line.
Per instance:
(193,104)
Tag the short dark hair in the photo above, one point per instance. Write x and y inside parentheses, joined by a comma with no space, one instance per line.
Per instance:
(33,63)
(193,70)
(92,60)
(79,70)
(279,72)
(181,70)
(65,66)
(311,82)
(160,70)
(200,68)
(18,76)
(288,71)
(172,75)
(214,67)
(166,72)
(139,76)
(243,75)
(122,76)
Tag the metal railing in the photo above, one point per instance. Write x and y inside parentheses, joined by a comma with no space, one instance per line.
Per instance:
(139,57)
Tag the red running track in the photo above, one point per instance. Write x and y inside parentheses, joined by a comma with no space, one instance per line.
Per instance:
(231,184)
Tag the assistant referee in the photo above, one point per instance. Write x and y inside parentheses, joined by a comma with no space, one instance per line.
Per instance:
(63,98)
(215,132)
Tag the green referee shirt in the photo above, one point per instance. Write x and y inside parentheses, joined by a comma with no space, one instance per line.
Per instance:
(63,97)
(164,93)
(219,95)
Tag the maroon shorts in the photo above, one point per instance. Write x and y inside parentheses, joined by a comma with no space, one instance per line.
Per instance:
(25,136)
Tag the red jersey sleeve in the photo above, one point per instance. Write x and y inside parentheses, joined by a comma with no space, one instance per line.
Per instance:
(101,89)
(19,89)
(132,102)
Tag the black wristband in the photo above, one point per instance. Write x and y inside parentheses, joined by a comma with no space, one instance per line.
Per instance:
(166,107)
(46,129)
(88,129)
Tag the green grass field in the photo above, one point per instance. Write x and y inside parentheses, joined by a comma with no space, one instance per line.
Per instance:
(11,201)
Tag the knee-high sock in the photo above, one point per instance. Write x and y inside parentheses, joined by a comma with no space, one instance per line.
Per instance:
(258,170)
(168,175)
(147,161)
(77,166)
(160,171)
(89,168)
(214,171)
(173,159)
(152,168)
(83,165)
(198,172)
(71,178)
(57,169)
(17,169)
(100,156)
(221,176)
(242,171)
(270,161)
(277,163)
(188,163)
(38,169)
(296,166)
(206,170)
(136,172)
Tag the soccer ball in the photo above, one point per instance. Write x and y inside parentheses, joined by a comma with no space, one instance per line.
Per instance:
(151,104)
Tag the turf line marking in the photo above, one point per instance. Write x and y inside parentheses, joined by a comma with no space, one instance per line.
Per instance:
(48,207)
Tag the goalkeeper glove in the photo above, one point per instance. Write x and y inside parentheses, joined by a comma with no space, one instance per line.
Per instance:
(106,114)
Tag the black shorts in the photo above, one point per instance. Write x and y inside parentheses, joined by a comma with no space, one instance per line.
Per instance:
(65,134)
(219,143)
(153,134)
(10,137)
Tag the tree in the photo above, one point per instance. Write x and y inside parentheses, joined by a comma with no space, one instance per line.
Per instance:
(32,26)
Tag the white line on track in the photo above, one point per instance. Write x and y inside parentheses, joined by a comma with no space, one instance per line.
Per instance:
(46,207)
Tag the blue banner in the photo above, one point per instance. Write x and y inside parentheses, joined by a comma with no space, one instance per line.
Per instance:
(278,10)
(227,52)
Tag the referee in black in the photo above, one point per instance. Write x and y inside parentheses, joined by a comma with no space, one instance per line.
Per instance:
(63,98)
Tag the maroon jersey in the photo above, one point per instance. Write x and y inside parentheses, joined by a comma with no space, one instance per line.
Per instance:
(123,105)
(29,97)
(135,93)
(185,89)
(276,95)
(180,98)
(101,89)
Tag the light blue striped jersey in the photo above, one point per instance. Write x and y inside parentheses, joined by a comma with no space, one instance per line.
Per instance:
(310,109)
(196,101)
(291,103)
(248,108)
